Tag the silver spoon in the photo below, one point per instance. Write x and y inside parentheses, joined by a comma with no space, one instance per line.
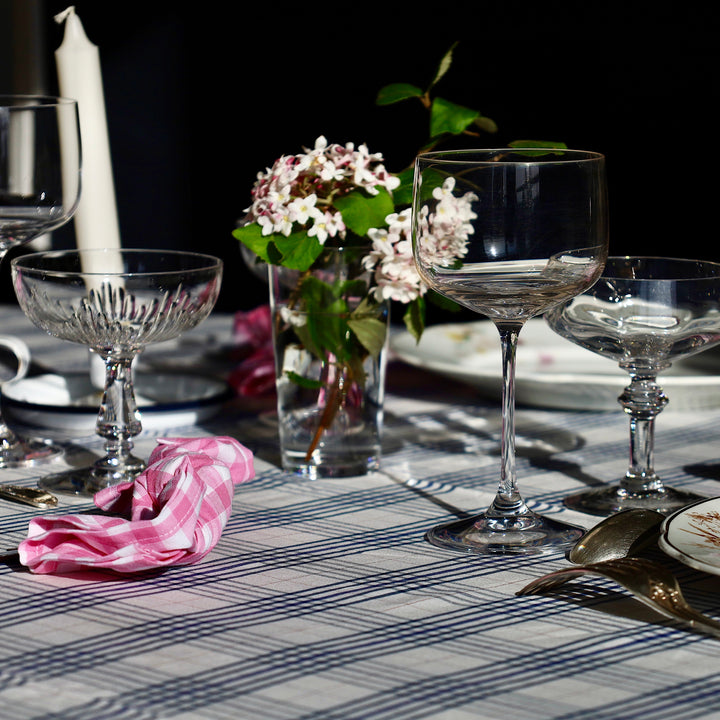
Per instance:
(648,581)
(621,535)
(607,550)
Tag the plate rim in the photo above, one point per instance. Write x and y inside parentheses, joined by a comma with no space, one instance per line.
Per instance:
(224,392)
(533,376)
(675,552)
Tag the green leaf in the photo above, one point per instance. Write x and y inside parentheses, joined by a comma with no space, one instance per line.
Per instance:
(304,335)
(402,194)
(441,301)
(273,254)
(361,211)
(302,381)
(447,117)
(355,371)
(444,65)
(486,124)
(352,288)
(330,332)
(414,318)
(251,236)
(431,179)
(317,295)
(368,328)
(298,250)
(326,333)
(397,92)
(371,333)
(549,144)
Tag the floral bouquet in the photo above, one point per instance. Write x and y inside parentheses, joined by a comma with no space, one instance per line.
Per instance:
(335,228)
(327,221)
(328,197)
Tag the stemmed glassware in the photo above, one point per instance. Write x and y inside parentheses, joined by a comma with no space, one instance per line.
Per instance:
(116,302)
(39,191)
(644,313)
(509,233)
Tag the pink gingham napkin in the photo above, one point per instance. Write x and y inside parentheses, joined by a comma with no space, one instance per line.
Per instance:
(171,514)
(254,376)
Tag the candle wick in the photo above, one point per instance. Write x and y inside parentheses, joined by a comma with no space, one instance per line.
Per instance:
(61,17)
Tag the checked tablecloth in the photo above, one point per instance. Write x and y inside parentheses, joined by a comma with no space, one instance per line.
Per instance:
(323,601)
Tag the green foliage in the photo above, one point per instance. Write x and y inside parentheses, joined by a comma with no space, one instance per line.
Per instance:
(305,382)
(369,329)
(414,317)
(446,118)
(297,251)
(549,144)
(332,327)
(403,194)
(361,211)
(397,92)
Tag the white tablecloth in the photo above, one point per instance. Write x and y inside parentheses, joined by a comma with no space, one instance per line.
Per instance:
(323,600)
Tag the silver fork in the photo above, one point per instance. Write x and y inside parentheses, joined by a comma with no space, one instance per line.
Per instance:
(648,581)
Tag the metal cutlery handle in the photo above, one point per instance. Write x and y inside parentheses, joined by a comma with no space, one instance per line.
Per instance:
(648,581)
(29,496)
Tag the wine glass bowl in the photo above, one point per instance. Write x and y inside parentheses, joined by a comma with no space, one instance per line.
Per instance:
(115,302)
(39,166)
(644,313)
(508,233)
(40,159)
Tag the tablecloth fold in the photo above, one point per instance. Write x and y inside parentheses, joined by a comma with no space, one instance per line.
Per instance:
(171,514)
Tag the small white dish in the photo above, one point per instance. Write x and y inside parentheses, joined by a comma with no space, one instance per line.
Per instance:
(551,372)
(692,535)
(69,404)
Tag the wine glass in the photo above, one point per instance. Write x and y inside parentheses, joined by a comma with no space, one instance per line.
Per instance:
(39,192)
(508,233)
(116,301)
(644,313)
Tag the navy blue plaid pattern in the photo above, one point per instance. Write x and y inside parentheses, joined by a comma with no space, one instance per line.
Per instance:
(323,601)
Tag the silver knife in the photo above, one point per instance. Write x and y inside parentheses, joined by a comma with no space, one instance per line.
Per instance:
(29,496)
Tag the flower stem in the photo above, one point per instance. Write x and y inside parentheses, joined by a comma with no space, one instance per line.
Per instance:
(332,405)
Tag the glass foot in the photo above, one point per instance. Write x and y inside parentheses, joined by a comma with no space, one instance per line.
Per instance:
(82,482)
(607,501)
(28,451)
(527,534)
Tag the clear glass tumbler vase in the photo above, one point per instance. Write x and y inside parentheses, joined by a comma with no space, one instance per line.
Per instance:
(330,341)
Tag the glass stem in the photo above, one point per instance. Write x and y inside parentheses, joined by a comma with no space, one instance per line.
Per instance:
(508,500)
(642,400)
(118,422)
(8,439)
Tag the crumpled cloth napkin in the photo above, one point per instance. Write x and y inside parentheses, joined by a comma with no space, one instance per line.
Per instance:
(173,513)
(254,376)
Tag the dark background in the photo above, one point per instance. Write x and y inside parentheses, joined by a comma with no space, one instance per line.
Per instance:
(202,97)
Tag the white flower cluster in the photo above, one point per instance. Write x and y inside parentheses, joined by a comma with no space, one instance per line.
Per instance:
(391,259)
(299,189)
(443,239)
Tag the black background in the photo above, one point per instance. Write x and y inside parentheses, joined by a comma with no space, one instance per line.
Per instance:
(200,97)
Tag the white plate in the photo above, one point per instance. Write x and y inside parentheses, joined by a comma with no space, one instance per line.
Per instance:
(68,403)
(692,535)
(550,371)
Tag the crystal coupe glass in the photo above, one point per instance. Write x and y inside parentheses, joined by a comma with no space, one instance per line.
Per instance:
(39,191)
(509,233)
(116,302)
(644,313)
